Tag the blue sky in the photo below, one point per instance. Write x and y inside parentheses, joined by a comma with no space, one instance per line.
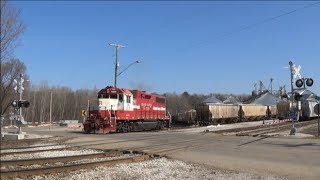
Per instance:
(184,46)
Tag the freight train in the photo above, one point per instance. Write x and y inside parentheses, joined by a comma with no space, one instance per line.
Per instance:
(123,110)
(219,113)
(231,113)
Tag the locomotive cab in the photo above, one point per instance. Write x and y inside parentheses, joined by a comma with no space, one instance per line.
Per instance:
(113,100)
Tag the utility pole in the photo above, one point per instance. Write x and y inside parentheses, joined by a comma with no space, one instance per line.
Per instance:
(50,109)
(117,46)
(1,90)
(271,85)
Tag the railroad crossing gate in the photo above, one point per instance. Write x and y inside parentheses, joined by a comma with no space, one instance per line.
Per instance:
(84,113)
(316,109)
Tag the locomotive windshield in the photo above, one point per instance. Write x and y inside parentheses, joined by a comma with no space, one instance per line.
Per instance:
(104,95)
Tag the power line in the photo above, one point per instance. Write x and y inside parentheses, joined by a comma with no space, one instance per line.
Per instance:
(260,22)
(243,28)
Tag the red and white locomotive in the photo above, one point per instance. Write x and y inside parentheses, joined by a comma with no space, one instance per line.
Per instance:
(123,110)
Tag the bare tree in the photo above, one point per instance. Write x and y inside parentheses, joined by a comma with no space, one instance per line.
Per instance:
(10,70)
(11,29)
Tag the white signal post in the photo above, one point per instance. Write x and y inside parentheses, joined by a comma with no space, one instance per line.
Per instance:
(292,69)
(19,88)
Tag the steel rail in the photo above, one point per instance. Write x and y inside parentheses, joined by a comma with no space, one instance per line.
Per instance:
(25,173)
(58,159)
(273,129)
(35,151)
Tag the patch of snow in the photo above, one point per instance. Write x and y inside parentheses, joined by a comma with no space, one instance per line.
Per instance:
(36,136)
(218,127)
(48,154)
(34,149)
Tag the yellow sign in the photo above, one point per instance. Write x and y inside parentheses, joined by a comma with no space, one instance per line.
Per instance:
(84,113)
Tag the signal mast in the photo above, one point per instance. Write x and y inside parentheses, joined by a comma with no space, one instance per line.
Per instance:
(19,104)
(295,96)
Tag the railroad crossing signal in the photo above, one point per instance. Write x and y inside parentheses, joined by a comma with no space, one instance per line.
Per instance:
(21,103)
(84,113)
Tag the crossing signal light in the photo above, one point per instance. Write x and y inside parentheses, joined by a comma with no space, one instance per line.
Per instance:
(14,103)
(309,82)
(299,83)
(19,104)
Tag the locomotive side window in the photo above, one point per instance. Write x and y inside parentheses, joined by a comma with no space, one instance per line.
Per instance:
(103,94)
(113,96)
(134,93)
(160,100)
(120,97)
(128,99)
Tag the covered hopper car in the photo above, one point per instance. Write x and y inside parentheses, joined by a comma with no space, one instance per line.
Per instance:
(231,113)
(123,110)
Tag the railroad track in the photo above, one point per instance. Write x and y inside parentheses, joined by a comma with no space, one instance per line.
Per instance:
(36,151)
(268,129)
(27,173)
(26,147)
(155,151)
(39,161)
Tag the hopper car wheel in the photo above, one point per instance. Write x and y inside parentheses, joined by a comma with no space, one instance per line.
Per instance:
(235,120)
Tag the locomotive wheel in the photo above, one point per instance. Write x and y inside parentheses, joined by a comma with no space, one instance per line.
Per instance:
(87,131)
(235,120)
(95,127)
(125,127)
(160,125)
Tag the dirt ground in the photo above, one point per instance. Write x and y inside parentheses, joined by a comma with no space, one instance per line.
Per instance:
(313,130)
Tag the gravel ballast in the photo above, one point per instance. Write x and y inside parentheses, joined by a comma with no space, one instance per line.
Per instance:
(162,168)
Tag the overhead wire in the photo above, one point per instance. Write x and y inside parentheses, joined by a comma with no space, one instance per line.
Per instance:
(243,28)
(264,21)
